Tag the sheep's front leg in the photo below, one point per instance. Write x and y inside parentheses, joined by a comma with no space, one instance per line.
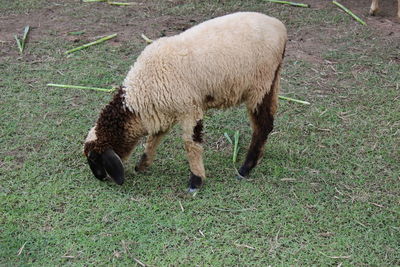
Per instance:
(374,7)
(192,136)
(149,152)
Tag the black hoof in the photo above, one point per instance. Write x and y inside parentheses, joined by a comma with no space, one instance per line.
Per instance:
(243,172)
(195,182)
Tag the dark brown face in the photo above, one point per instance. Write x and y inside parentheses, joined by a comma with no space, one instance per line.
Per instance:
(106,163)
(109,140)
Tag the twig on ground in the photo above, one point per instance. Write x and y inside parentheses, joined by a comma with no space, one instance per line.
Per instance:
(91,43)
(76,33)
(236,145)
(119,3)
(228,138)
(288,3)
(294,100)
(80,87)
(18,44)
(149,41)
(349,12)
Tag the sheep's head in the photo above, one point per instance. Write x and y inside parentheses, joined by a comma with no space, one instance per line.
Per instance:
(106,163)
(113,138)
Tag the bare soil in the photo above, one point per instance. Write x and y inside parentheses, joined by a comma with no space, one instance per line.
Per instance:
(58,18)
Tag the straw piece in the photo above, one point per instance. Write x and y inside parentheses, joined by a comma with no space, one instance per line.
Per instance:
(228,138)
(349,12)
(21,248)
(180,204)
(235,149)
(18,44)
(21,43)
(288,3)
(92,43)
(245,246)
(235,210)
(139,262)
(80,87)
(76,33)
(202,234)
(26,31)
(149,41)
(119,3)
(294,100)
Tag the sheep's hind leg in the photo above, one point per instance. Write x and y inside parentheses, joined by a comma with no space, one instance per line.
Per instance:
(149,152)
(262,122)
(398,9)
(374,7)
(192,136)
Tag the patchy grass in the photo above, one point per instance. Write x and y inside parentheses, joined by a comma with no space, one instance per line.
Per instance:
(326,193)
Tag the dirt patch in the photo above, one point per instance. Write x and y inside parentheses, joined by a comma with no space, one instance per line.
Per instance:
(103,19)
(99,19)
(385,22)
(308,43)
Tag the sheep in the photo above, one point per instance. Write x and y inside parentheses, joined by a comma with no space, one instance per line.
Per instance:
(375,7)
(219,63)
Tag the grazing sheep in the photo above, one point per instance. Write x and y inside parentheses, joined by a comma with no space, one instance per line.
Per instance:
(375,8)
(219,63)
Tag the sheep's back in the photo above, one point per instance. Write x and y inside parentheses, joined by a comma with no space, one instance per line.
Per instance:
(218,63)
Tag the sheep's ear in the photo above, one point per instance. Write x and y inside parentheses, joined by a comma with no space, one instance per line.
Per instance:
(113,165)
(96,165)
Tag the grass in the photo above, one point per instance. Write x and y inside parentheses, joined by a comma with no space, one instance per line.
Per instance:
(326,193)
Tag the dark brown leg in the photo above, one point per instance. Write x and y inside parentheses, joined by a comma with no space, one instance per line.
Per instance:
(262,123)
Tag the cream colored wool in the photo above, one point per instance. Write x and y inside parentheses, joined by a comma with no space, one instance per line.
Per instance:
(232,58)
(219,63)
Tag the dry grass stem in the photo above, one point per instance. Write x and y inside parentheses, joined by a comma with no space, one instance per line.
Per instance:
(233,210)
(202,234)
(21,249)
(180,204)
(139,262)
(244,246)
(336,257)
(148,40)
(377,205)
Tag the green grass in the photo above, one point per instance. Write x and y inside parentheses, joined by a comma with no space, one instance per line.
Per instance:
(326,192)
